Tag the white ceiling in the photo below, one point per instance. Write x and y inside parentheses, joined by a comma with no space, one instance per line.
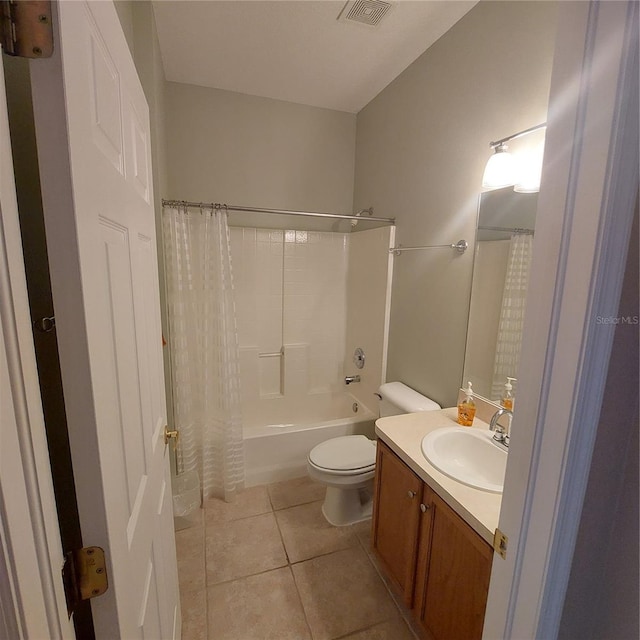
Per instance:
(297,50)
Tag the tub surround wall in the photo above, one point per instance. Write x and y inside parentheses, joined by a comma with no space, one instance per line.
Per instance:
(312,297)
(368,298)
(290,299)
(422,144)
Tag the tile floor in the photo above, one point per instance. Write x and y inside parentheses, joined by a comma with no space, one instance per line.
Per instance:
(269,567)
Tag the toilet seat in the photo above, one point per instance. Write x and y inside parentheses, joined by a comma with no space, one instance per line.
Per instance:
(345,456)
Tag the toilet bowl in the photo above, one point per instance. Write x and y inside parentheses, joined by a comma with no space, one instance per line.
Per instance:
(346,465)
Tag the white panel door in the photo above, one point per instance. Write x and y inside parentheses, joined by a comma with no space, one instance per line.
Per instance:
(93,137)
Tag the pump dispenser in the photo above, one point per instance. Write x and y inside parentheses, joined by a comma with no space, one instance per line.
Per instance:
(508,399)
(467,408)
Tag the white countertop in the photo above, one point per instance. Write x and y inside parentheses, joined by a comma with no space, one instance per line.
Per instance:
(403,434)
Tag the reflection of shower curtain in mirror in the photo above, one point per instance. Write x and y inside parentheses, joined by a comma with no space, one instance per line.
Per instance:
(512,311)
(203,343)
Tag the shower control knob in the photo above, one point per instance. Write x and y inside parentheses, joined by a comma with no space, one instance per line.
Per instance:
(411,494)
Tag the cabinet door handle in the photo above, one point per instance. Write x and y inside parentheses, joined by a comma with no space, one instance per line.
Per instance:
(425,507)
(411,494)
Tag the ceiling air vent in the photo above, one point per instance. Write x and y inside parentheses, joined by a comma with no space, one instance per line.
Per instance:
(369,12)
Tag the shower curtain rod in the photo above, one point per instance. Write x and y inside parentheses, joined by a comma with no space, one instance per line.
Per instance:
(516,230)
(313,214)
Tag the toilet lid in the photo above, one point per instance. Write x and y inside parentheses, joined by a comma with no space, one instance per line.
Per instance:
(346,453)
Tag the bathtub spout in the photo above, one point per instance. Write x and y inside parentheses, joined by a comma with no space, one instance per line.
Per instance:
(350,379)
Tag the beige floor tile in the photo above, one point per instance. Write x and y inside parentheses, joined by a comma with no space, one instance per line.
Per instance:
(395,629)
(392,588)
(194,615)
(363,531)
(342,593)
(250,502)
(307,534)
(291,493)
(243,547)
(190,543)
(192,574)
(262,607)
(190,554)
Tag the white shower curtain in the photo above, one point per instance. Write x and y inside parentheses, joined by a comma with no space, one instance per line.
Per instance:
(203,343)
(512,312)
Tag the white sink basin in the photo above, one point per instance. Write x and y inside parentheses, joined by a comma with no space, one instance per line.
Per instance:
(467,455)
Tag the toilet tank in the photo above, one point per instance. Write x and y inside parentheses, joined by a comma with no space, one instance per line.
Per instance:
(396,398)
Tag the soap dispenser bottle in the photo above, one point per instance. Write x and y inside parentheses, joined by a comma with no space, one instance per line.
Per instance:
(467,408)
(508,399)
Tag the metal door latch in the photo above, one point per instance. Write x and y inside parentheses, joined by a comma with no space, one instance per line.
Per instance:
(500,543)
(45,325)
(171,434)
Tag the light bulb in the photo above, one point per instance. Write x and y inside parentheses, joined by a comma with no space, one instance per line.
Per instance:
(500,169)
(529,171)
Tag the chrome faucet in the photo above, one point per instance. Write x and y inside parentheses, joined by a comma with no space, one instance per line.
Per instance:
(350,379)
(501,435)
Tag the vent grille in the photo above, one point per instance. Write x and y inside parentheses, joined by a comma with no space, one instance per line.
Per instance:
(369,12)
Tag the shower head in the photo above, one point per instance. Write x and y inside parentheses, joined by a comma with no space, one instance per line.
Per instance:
(368,211)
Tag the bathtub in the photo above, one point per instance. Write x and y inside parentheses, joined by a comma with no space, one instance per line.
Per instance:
(278,436)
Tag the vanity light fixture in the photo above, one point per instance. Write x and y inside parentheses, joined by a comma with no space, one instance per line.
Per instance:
(502,170)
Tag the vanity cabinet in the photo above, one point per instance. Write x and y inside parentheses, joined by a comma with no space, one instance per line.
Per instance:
(433,557)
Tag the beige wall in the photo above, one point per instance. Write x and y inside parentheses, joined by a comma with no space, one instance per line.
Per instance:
(124,9)
(421,149)
(148,62)
(230,147)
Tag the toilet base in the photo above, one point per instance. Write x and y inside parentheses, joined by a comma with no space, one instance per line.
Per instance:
(343,507)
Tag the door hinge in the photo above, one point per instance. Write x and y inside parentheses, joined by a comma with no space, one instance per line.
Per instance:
(84,575)
(500,543)
(25,28)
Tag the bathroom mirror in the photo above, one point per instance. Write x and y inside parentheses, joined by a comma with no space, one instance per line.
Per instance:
(503,249)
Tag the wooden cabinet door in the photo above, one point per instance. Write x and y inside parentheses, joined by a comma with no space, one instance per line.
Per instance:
(455,567)
(396,518)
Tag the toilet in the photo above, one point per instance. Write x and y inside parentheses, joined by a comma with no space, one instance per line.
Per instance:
(346,465)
